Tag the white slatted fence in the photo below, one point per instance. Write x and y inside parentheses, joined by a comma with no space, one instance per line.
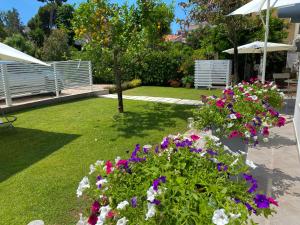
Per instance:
(212,72)
(24,79)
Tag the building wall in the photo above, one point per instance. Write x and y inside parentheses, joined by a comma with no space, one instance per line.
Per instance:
(297,115)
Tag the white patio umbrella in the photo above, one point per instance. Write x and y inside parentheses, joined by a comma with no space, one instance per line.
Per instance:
(8,53)
(257,47)
(258,6)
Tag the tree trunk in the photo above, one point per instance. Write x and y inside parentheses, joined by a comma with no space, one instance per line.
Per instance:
(118,80)
(53,6)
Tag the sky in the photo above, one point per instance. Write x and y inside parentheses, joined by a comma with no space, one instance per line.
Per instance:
(28,8)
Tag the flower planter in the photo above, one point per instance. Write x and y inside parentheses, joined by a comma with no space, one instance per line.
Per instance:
(235,144)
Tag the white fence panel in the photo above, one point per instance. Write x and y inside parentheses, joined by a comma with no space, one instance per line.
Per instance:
(212,72)
(25,79)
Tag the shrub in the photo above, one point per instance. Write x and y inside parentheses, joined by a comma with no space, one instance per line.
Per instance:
(187,179)
(187,80)
(135,83)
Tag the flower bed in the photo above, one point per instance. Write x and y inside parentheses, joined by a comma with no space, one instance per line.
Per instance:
(246,110)
(187,179)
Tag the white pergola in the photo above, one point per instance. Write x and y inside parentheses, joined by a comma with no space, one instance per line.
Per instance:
(256,6)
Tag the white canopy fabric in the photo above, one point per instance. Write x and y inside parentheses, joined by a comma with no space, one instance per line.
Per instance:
(257,47)
(8,53)
(258,5)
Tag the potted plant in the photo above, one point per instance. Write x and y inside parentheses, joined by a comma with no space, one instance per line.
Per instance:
(243,114)
(187,81)
(186,179)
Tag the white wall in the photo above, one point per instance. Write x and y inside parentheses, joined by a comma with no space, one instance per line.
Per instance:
(297,114)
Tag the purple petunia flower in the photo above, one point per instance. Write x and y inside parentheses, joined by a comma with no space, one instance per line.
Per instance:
(133,202)
(156,149)
(156,202)
(249,207)
(164,143)
(261,201)
(155,184)
(99,178)
(162,179)
(196,150)
(237,200)
(211,152)
(247,177)
(222,167)
(253,187)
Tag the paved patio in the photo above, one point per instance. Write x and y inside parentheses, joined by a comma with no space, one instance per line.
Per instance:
(278,173)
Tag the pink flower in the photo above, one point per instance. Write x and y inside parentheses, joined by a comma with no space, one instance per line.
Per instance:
(122,162)
(234,134)
(195,137)
(95,207)
(110,214)
(93,219)
(238,115)
(273,201)
(109,167)
(228,92)
(220,104)
(265,131)
(281,121)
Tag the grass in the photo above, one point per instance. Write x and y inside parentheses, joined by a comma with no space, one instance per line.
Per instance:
(50,150)
(169,92)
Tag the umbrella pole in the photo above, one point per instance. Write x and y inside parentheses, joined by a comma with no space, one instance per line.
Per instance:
(266,42)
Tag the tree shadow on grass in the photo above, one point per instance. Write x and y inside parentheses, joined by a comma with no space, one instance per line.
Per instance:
(150,117)
(276,181)
(22,147)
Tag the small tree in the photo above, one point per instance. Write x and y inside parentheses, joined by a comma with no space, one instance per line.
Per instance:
(216,13)
(19,42)
(56,46)
(109,27)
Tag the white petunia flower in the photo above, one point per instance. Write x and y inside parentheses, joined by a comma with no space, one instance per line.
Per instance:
(266,140)
(218,130)
(147,146)
(214,160)
(251,164)
(84,184)
(122,205)
(104,210)
(122,221)
(101,182)
(274,87)
(247,134)
(254,97)
(151,211)
(255,138)
(99,163)
(234,216)
(232,116)
(151,193)
(214,138)
(230,125)
(219,217)
(226,148)
(117,159)
(282,94)
(92,169)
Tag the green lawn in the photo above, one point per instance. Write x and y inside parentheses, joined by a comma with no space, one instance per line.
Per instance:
(47,154)
(183,93)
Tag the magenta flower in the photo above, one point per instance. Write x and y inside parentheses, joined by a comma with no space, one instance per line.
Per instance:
(95,207)
(195,137)
(234,134)
(281,121)
(220,104)
(93,219)
(109,167)
(265,131)
(123,163)
(238,115)
(273,201)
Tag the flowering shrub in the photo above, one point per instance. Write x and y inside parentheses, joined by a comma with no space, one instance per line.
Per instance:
(246,110)
(185,180)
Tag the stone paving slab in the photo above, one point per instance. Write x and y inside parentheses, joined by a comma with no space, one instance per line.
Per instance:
(278,173)
(157,99)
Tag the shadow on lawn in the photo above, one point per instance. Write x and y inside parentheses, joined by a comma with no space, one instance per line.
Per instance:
(22,147)
(151,117)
